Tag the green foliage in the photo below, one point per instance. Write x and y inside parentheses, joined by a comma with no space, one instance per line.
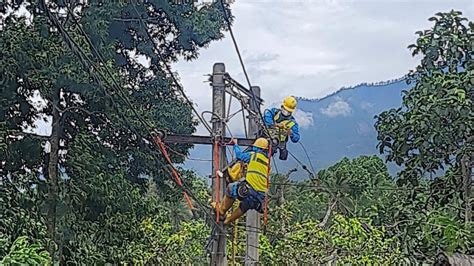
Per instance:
(84,190)
(433,131)
(434,127)
(415,223)
(346,241)
(184,244)
(305,230)
(360,186)
(93,192)
(24,253)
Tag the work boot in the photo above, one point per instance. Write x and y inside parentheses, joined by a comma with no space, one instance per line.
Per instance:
(215,207)
(283,154)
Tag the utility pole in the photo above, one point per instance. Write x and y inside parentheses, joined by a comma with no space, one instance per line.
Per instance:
(218,255)
(253,217)
(219,79)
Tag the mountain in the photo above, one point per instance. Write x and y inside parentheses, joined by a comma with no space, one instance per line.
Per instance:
(336,126)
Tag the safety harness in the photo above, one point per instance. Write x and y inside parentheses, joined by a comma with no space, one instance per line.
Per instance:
(281,130)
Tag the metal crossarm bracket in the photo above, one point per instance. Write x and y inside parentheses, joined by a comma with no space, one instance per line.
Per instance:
(205,140)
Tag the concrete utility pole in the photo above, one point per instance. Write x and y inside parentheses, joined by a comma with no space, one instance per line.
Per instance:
(253,217)
(219,79)
(218,256)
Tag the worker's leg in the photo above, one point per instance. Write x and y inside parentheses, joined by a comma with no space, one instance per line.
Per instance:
(236,214)
(226,204)
(250,202)
(283,154)
(229,198)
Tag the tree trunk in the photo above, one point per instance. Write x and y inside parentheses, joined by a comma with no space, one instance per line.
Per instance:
(325,220)
(53,173)
(467,182)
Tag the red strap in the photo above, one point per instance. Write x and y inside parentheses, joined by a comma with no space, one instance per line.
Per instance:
(173,171)
(265,210)
(218,179)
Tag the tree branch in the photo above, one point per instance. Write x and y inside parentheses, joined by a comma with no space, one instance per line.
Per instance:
(27,134)
(325,220)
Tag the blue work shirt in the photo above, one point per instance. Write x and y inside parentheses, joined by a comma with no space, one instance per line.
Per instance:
(269,121)
(244,156)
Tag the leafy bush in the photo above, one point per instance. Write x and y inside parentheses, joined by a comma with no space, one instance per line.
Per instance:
(22,252)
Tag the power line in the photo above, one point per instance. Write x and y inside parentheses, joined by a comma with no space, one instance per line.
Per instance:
(301,164)
(168,69)
(186,156)
(74,46)
(254,97)
(235,44)
(322,187)
(307,156)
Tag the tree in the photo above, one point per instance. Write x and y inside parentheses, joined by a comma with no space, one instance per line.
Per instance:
(78,57)
(346,241)
(24,253)
(434,127)
(361,186)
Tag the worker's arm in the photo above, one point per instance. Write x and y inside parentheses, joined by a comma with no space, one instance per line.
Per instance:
(268,116)
(295,133)
(240,155)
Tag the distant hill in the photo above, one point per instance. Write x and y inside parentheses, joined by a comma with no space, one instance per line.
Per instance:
(342,126)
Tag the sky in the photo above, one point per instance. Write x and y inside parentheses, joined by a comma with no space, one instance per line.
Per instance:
(311,48)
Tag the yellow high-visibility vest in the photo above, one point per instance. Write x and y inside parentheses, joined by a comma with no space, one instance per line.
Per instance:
(257,171)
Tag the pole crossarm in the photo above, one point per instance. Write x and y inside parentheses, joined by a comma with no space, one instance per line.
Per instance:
(242,88)
(205,140)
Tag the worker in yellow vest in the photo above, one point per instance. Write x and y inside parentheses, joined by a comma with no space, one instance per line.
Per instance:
(250,191)
(282,125)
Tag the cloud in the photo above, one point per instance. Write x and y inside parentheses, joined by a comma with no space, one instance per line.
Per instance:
(366,105)
(364,129)
(312,48)
(337,108)
(304,119)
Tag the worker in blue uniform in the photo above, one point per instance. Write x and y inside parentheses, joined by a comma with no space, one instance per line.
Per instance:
(282,125)
(251,190)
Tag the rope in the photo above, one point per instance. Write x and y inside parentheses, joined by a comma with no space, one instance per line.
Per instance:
(307,156)
(265,210)
(216,167)
(301,164)
(173,170)
(229,106)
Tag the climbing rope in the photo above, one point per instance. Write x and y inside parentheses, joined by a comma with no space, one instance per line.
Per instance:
(265,210)
(218,179)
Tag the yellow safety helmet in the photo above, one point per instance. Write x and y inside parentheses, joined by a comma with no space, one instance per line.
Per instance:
(289,103)
(235,172)
(261,143)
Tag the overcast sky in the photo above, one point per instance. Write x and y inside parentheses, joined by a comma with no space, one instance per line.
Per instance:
(310,48)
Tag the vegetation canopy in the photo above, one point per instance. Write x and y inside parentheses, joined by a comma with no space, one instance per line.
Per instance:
(93,189)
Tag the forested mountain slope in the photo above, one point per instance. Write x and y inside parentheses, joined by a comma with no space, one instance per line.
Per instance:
(341,125)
